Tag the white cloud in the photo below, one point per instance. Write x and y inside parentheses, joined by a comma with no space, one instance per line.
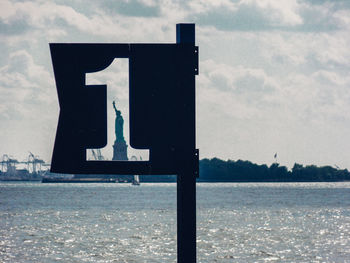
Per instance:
(24,82)
(41,15)
(330,78)
(7,10)
(285,12)
(203,6)
(343,18)
(239,79)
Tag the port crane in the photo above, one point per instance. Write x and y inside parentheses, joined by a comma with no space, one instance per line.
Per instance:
(8,164)
(34,164)
(97,154)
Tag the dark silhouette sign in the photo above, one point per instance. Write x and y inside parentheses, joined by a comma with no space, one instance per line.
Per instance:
(162,116)
(162,106)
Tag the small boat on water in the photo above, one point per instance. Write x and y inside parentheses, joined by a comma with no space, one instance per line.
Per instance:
(136,180)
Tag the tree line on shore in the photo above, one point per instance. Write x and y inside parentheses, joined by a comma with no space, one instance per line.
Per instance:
(216,170)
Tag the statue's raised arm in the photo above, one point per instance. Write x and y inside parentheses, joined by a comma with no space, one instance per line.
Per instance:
(117,112)
(114,107)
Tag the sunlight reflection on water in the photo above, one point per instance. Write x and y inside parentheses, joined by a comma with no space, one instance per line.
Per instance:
(250,222)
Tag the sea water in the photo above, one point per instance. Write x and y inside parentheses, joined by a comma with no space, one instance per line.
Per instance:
(236,222)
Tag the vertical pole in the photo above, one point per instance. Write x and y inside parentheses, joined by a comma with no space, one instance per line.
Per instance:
(186,179)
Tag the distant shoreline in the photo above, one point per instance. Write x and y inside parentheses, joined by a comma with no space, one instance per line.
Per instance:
(219,171)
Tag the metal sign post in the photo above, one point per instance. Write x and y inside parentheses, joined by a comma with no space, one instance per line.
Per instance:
(162,116)
(186,179)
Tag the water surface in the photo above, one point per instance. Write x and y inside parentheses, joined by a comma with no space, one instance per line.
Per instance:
(236,222)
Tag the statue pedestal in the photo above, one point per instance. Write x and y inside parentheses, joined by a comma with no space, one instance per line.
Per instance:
(120,151)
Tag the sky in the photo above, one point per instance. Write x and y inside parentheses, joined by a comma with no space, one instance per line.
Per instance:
(274,75)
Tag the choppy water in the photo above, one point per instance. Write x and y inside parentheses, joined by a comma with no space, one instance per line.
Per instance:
(256,222)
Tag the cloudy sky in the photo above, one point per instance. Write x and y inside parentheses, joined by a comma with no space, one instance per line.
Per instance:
(274,75)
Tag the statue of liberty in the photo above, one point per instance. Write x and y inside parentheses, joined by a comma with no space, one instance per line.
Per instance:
(119,123)
(120,148)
